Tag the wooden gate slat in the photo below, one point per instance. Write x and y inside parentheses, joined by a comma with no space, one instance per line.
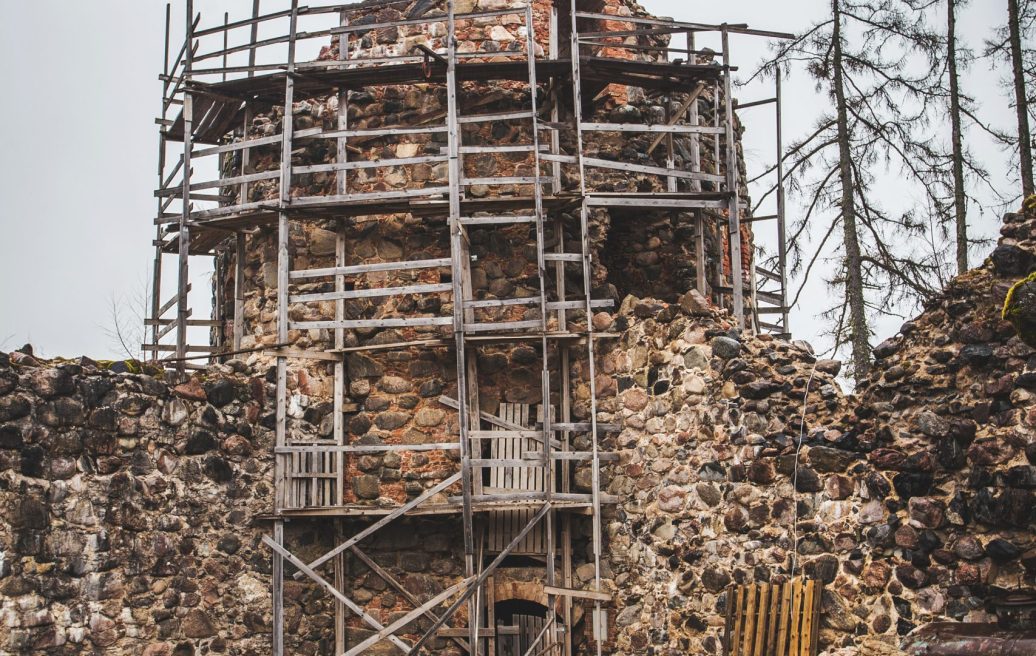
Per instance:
(763,617)
(818,597)
(749,620)
(782,639)
(775,619)
(796,615)
(735,645)
(807,619)
(729,625)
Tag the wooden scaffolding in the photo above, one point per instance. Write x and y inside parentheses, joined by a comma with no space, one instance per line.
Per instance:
(515,470)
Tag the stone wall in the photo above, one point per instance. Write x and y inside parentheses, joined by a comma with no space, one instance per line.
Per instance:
(133,510)
(133,513)
(912,500)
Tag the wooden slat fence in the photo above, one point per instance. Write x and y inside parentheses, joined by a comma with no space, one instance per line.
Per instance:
(773,619)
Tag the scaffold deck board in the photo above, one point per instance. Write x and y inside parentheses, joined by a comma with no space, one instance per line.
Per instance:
(210,119)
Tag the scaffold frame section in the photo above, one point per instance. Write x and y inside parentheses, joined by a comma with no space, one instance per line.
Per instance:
(204,102)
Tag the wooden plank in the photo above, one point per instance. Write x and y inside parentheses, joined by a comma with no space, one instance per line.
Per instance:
(692,100)
(170,303)
(398,512)
(505,180)
(373,292)
(190,322)
(581,456)
(508,462)
(187,348)
(373,323)
(472,150)
(818,597)
(387,632)
(368,164)
(481,578)
(579,594)
(392,131)
(502,325)
(653,170)
(504,434)
(794,635)
(748,620)
(401,589)
(782,632)
(495,220)
(807,619)
(671,203)
(493,118)
(563,257)
(641,127)
(341,199)
(278,588)
(303,354)
(737,618)
(762,619)
(358,269)
(367,448)
(774,620)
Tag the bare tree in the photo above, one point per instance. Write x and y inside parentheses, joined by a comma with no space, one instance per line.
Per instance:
(960,209)
(956,172)
(1007,46)
(875,61)
(127,313)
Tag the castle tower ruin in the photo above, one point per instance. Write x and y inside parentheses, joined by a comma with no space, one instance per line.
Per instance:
(428,225)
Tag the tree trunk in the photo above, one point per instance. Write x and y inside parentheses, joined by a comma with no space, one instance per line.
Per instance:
(859,332)
(959,199)
(1021,100)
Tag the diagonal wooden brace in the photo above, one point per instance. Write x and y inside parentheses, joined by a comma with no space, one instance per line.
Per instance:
(409,596)
(481,578)
(678,114)
(287,555)
(395,514)
(408,618)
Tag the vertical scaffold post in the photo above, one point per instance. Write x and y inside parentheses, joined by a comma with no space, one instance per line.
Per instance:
(459,268)
(283,264)
(339,367)
(541,265)
(156,274)
(184,238)
(577,98)
(734,199)
(278,591)
(782,246)
(699,220)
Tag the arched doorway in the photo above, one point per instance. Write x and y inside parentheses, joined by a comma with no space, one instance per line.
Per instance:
(518,624)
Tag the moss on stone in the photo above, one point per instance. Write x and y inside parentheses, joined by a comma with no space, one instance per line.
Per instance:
(1019,307)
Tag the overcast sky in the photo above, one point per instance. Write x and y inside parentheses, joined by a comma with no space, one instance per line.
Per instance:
(78,148)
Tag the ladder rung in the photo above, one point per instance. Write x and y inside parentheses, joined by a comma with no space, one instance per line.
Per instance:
(492,220)
(503,302)
(504,325)
(470,150)
(769,297)
(518,179)
(766,273)
(562,257)
(501,116)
